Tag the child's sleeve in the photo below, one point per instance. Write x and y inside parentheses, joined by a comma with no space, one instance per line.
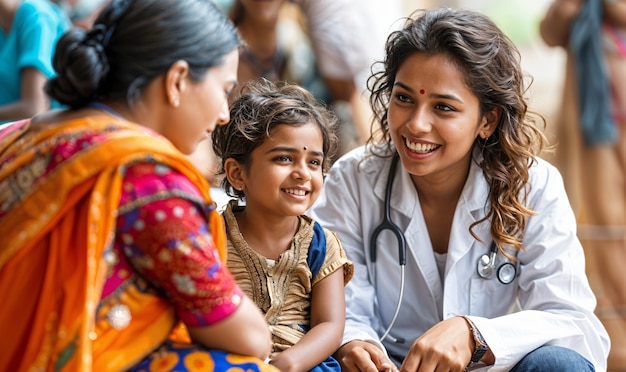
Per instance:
(335,258)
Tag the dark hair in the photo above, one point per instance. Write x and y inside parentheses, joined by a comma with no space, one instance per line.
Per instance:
(261,107)
(134,41)
(491,65)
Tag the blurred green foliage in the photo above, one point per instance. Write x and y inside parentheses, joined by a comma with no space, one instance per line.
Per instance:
(519,19)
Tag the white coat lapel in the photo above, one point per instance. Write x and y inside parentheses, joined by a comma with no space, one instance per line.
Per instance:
(470,209)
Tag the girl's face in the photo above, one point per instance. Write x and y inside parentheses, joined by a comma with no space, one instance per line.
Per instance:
(285,173)
(204,105)
(434,118)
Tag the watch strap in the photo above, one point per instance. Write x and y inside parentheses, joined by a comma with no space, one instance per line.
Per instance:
(481,346)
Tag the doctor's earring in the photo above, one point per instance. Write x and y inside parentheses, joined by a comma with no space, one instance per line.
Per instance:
(487,141)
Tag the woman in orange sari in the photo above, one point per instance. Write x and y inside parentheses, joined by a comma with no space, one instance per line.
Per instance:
(109,238)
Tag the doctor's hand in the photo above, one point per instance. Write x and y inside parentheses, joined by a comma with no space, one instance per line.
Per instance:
(447,346)
(363,356)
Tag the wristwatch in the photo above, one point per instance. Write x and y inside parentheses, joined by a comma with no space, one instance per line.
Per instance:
(481,346)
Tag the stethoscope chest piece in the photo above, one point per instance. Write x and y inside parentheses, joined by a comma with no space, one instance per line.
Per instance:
(505,273)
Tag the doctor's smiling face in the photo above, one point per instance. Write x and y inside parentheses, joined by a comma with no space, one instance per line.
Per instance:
(434,118)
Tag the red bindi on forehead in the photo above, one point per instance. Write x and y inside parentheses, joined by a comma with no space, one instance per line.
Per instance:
(422,91)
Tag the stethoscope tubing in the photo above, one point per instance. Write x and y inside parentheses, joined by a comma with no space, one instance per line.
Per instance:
(395,314)
(388,224)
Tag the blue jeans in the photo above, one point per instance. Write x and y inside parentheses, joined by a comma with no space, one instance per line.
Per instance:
(553,359)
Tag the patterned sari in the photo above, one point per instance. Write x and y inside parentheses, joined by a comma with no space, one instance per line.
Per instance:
(72,299)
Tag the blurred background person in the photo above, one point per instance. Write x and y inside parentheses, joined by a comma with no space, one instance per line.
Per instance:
(29,30)
(325,46)
(591,150)
(83,13)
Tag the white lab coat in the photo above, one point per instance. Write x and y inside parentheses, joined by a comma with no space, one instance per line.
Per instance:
(550,288)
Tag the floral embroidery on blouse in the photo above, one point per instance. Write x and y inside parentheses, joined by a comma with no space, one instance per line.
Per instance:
(162,234)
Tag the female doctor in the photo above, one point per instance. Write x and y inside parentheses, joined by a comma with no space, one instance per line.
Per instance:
(477,263)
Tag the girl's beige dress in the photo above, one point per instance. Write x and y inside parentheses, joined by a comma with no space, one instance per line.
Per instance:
(282,288)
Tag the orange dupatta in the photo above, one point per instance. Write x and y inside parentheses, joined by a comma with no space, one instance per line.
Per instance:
(54,226)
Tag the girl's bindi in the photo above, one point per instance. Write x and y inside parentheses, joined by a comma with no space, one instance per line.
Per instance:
(422,91)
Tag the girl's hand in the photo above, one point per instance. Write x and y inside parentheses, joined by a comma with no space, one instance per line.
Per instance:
(284,364)
(448,346)
(327,322)
(363,356)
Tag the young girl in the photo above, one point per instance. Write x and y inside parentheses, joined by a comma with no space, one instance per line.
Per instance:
(273,154)
(487,255)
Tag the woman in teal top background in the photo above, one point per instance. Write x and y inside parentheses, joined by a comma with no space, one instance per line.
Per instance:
(29,30)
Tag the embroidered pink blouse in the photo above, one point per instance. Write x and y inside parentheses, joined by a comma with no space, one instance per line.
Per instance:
(162,237)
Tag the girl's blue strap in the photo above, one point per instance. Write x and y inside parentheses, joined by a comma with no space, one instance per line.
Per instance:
(317,250)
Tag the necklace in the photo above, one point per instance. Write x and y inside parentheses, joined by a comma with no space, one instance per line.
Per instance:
(261,68)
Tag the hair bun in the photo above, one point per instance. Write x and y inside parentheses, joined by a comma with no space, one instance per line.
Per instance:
(81,64)
(100,35)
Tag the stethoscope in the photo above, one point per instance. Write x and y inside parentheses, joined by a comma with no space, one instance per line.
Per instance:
(506,272)
(388,224)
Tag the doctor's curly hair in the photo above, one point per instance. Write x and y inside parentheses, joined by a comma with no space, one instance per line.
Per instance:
(491,65)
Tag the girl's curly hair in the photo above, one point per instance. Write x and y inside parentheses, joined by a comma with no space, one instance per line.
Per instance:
(261,106)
